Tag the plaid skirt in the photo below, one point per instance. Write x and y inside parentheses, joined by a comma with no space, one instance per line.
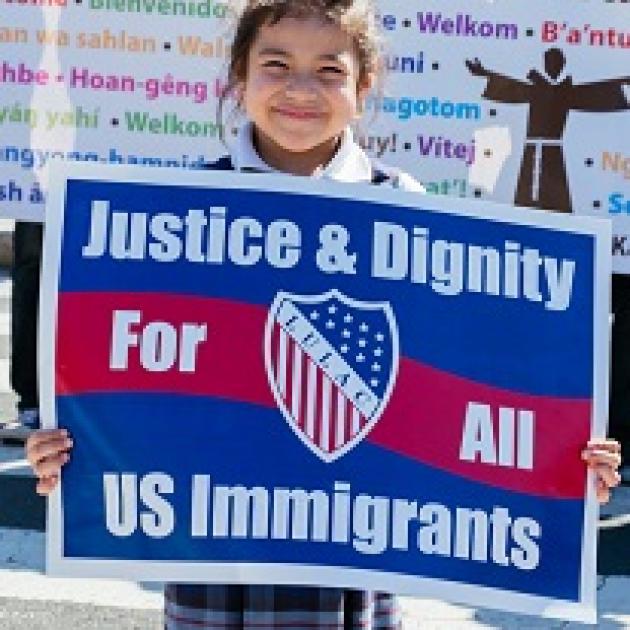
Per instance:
(195,606)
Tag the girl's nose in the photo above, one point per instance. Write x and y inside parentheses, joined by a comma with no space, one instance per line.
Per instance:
(300,86)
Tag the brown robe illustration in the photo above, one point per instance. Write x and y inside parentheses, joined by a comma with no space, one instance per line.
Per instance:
(542,181)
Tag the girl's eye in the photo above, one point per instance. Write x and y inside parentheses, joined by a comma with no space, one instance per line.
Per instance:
(274,64)
(331,70)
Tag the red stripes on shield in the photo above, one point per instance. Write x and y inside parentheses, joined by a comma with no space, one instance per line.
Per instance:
(317,407)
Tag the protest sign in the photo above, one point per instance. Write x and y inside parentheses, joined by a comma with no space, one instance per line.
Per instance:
(272,379)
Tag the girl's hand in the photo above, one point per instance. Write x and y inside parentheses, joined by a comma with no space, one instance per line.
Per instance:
(603,456)
(47,451)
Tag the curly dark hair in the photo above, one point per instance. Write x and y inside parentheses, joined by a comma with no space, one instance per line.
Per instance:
(357,18)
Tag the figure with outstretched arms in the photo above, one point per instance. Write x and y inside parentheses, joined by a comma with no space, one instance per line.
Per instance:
(551,96)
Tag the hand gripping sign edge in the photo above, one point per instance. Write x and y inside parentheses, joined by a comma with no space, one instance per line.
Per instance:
(324,400)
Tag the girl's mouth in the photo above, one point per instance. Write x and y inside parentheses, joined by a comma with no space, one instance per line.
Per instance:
(297,114)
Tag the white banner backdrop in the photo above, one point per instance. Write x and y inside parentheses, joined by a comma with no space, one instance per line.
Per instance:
(515,101)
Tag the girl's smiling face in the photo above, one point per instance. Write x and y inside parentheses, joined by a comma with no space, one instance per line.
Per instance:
(301,90)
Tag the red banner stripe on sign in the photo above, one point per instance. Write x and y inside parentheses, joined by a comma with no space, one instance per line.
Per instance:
(424,418)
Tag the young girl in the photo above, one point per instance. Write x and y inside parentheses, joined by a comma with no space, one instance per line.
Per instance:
(300,71)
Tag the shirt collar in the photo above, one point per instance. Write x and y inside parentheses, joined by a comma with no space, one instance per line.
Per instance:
(349,164)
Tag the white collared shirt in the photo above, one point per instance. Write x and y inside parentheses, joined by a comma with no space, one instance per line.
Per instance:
(349,164)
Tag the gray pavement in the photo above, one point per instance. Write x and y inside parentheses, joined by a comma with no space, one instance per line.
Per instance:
(24,614)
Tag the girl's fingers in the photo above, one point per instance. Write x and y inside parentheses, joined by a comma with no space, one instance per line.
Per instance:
(603,456)
(35,441)
(597,456)
(608,476)
(43,435)
(603,492)
(51,466)
(44,449)
(46,485)
(47,452)
(604,444)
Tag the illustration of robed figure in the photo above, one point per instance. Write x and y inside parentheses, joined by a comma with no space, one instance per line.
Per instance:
(542,181)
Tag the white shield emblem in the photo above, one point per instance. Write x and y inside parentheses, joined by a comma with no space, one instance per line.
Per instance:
(331,363)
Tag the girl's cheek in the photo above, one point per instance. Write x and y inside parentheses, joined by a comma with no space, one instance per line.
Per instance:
(260,85)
